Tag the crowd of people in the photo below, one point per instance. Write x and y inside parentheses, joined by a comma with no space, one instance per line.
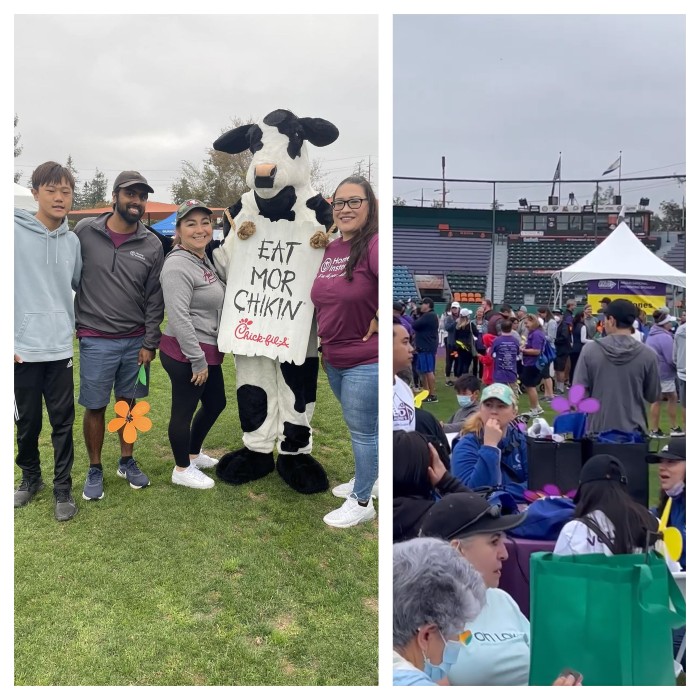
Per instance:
(124,284)
(469,498)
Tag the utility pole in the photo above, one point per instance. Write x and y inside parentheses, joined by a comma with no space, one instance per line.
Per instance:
(369,169)
(444,191)
(421,197)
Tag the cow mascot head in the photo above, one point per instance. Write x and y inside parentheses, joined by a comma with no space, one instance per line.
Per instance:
(273,245)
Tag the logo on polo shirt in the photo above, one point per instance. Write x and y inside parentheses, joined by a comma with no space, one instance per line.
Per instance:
(466,637)
(134,254)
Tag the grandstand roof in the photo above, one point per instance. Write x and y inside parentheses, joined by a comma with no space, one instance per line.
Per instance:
(621,256)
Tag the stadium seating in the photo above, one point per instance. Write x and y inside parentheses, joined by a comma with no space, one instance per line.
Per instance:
(404,284)
(425,251)
(469,289)
(676,256)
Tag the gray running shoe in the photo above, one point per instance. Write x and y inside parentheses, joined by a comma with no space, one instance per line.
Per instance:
(93,489)
(26,491)
(131,472)
(65,507)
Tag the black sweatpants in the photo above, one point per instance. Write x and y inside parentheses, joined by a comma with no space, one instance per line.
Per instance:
(187,435)
(52,381)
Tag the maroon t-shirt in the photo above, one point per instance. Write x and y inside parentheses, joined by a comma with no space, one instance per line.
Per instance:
(345,309)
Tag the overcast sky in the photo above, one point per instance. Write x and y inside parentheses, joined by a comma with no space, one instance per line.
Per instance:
(500,96)
(146,92)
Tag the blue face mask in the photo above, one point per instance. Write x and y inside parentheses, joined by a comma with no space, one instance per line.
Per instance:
(464,401)
(449,657)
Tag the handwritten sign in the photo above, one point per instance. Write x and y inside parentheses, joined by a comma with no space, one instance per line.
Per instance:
(267,309)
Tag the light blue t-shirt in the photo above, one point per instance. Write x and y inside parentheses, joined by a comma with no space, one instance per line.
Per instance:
(496,647)
(405,673)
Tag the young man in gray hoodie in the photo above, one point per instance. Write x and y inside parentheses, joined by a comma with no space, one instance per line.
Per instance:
(47,267)
(620,372)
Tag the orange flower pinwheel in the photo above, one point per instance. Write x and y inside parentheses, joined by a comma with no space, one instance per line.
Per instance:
(130,420)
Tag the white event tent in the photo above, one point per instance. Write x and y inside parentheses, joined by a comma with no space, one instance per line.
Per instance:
(24,199)
(620,256)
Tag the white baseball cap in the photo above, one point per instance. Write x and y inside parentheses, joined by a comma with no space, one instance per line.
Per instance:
(455,305)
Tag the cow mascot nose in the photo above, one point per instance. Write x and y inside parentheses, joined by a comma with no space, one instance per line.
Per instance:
(275,235)
(265,176)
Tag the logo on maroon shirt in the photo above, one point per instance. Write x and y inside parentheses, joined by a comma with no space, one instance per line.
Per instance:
(209,276)
(241,333)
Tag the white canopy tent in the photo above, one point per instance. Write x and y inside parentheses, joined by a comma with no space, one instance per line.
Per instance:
(620,256)
(24,199)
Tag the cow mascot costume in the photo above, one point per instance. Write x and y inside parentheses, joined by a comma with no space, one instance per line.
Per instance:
(274,239)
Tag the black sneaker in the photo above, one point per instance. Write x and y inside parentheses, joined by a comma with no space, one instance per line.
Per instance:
(93,489)
(677,431)
(656,434)
(65,507)
(26,491)
(449,383)
(432,399)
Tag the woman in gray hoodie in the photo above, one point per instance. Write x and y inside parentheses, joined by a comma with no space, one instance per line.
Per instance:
(194,297)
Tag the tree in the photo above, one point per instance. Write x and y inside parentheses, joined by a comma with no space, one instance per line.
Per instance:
(77,194)
(672,216)
(495,205)
(18,150)
(94,192)
(604,197)
(399,202)
(221,180)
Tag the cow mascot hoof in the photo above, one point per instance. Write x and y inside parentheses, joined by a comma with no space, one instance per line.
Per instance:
(303,473)
(244,465)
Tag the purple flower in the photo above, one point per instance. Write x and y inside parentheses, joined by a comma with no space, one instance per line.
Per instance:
(547,491)
(575,403)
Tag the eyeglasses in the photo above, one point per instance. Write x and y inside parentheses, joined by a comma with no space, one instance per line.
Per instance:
(354,203)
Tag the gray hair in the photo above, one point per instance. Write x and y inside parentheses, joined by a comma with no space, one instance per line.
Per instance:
(433,584)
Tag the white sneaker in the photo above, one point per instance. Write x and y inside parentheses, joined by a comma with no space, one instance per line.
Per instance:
(350,513)
(344,490)
(535,411)
(193,478)
(202,461)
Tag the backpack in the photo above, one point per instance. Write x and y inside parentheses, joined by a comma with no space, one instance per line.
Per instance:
(548,354)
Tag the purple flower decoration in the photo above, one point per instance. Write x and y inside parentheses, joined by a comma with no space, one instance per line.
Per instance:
(574,402)
(547,491)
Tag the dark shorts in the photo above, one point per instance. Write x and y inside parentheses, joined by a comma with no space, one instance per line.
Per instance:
(106,364)
(425,362)
(532,376)
(681,393)
(560,363)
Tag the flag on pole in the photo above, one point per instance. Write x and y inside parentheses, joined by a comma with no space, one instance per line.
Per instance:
(613,166)
(557,172)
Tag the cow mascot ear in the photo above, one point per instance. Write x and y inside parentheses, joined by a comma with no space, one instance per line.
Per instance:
(319,132)
(239,139)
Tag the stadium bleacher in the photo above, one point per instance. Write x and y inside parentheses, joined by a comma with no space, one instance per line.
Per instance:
(404,284)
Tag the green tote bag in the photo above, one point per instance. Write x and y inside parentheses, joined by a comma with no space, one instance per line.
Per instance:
(607,617)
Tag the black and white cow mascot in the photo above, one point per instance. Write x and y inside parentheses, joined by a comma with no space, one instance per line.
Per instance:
(273,246)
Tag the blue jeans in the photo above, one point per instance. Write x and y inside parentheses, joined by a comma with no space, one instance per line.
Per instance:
(357,390)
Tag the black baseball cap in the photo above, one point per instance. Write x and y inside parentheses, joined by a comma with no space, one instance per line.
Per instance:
(188,206)
(674,450)
(459,515)
(623,311)
(399,305)
(601,468)
(129,178)
(428,300)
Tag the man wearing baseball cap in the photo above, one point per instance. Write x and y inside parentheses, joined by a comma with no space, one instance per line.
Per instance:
(118,312)
(496,644)
(620,372)
(426,328)
(450,320)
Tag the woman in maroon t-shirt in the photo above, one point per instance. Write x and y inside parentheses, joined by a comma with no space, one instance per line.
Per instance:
(345,294)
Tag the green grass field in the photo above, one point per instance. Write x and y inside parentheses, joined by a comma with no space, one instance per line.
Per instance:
(172,586)
(447,406)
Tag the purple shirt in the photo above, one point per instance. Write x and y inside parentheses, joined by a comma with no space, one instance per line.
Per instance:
(345,309)
(505,350)
(535,339)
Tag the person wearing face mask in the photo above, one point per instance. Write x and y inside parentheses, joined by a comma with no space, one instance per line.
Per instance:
(348,279)
(194,298)
(496,644)
(468,389)
(671,461)
(492,451)
(437,593)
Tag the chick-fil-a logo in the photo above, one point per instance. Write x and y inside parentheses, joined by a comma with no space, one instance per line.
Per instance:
(242,333)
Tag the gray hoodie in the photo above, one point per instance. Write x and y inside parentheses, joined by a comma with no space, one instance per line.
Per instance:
(679,351)
(47,268)
(194,298)
(622,374)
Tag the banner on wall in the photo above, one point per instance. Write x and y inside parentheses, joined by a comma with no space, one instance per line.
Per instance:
(648,296)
